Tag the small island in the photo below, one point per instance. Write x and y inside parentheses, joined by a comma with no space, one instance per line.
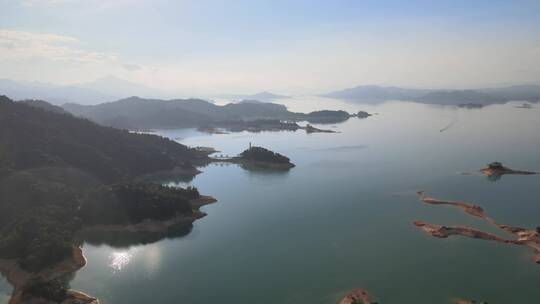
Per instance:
(495,170)
(357,296)
(259,157)
(361,114)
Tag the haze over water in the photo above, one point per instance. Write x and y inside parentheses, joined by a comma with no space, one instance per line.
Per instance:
(342,218)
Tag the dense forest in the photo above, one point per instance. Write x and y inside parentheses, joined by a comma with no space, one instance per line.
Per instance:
(32,137)
(136,113)
(60,173)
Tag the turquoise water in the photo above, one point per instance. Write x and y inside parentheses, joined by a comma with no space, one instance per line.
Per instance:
(341,219)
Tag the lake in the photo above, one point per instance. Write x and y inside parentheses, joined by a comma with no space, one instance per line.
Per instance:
(342,218)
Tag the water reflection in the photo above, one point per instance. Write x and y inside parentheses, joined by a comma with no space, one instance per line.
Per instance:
(120,259)
(149,258)
(126,239)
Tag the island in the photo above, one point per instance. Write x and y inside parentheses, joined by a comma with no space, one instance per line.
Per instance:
(357,296)
(258,157)
(495,170)
(522,237)
(362,114)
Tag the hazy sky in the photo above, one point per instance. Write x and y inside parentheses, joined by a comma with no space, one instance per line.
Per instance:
(234,46)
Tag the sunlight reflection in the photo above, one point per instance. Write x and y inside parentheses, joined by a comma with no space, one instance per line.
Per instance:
(120,259)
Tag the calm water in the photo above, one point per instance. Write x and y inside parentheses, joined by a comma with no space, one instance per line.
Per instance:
(342,218)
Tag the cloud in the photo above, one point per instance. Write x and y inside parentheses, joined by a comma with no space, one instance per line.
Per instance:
(21,46)
(57,58)
(88,4)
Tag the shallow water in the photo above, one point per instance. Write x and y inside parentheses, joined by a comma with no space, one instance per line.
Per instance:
(341,219)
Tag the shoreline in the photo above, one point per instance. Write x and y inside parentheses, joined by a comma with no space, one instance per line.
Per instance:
(256,164)
(18,277)
(522,237)
(156,226)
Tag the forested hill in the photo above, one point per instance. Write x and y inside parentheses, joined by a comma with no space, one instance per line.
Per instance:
(60,173)
(139,113)
(33,137)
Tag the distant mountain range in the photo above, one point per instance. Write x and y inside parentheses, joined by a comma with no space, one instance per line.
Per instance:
(101,90)
(106,89)
(139,113)
(110,88)
(374,93)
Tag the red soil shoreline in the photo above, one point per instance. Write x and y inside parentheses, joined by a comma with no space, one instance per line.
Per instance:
(523,237)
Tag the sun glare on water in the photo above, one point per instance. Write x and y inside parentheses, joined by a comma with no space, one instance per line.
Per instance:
(119,260)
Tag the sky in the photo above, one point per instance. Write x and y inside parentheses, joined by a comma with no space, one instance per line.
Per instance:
(284,46)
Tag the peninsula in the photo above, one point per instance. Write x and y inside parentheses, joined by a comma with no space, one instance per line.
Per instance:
(522,237)
(76,176)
